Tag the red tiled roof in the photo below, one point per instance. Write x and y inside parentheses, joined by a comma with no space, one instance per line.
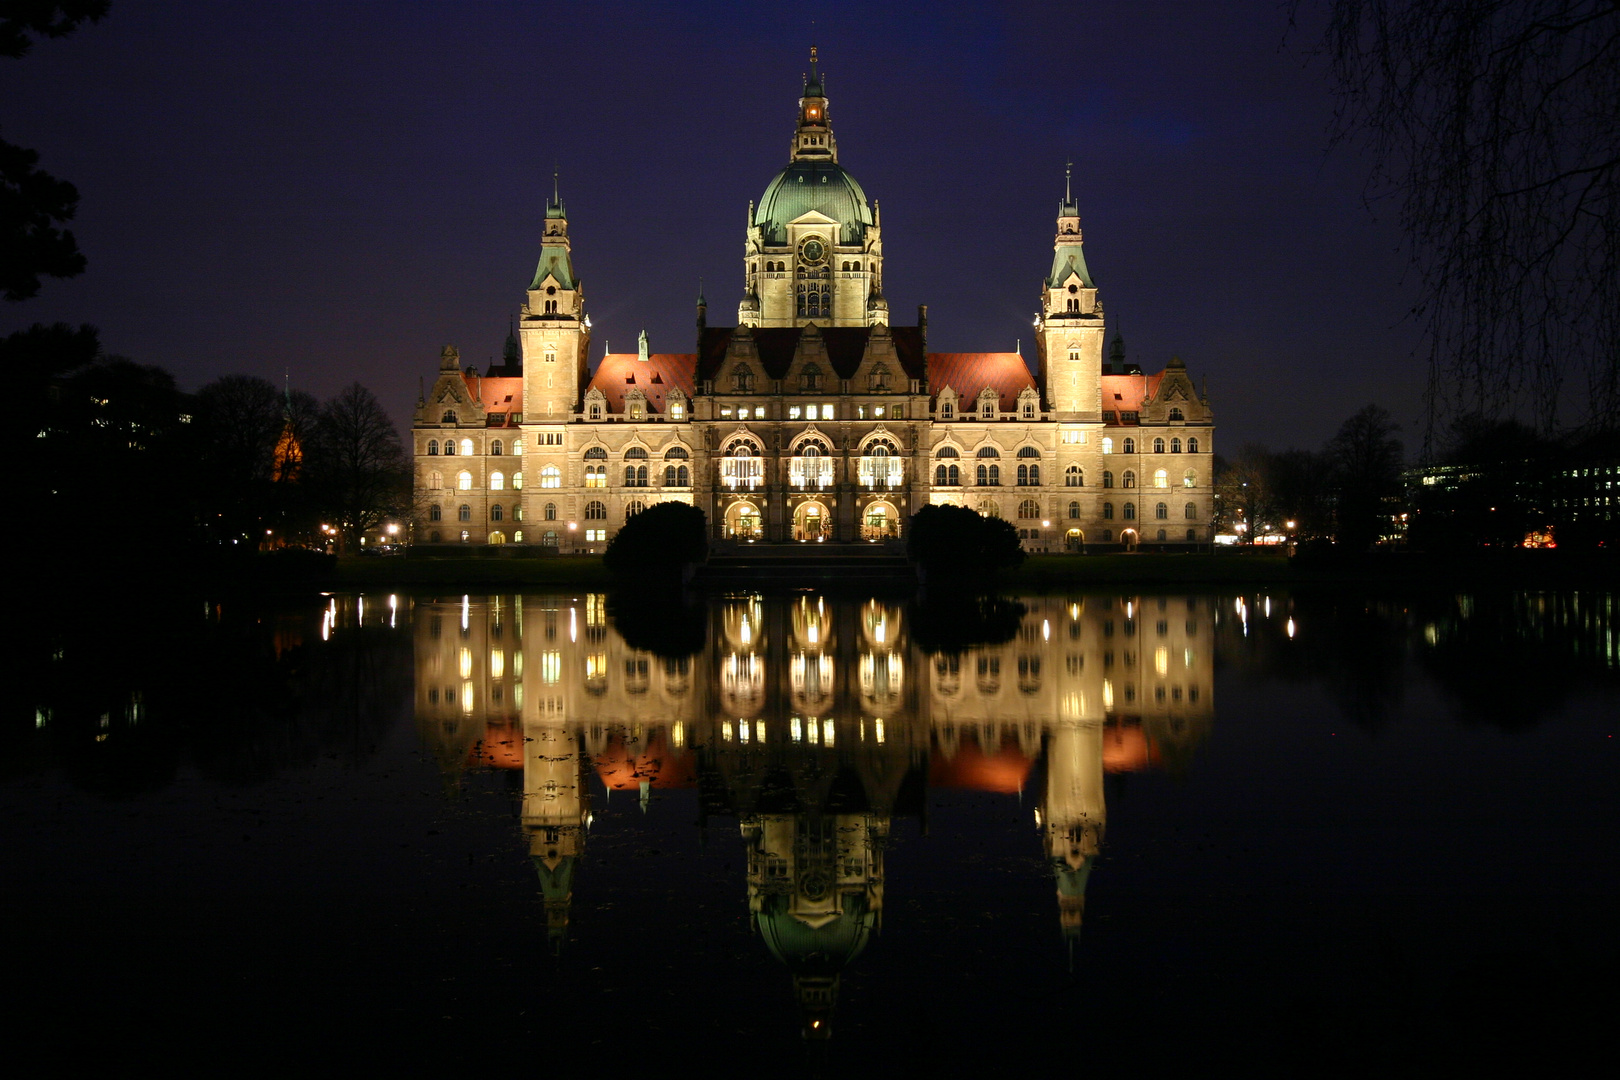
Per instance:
(1125,393)
(502,397)
(968,373)
(619,373)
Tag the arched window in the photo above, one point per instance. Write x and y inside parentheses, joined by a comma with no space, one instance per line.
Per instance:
(434,513)
(448,418)
(1192,535)
(1130,511)
(1161,512)
(1192,444)
(988,452)
(1175,414)
(1189,478)
(635,507)
(946,412)
(1108,511)
(635,453)
(946,452)
(435,479)
(495,447)
(464,481)
(1108,479)
(1161,478)
(517,480)
(1158,446)
(595,511)
(989,474)
(548,538)
(1028,452)
(682,477)
(1161,537)
(1129,479)
(1190,512)
(435,536)
(1108,444)
(1074,508)
(517,537)
(1074,476)
(595,412)
(596,453)
(465,513)
(1023,475)
(551,512)
(433,447)
(467,447)
(497,481)
(1029,508)
(517,511)
(676,453)
(550,477)
(1130,446)
(1029,410)
(1175,446)
(450,447)
(495,512)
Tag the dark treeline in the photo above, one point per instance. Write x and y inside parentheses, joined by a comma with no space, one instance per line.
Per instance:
(238,467)
(1491,483)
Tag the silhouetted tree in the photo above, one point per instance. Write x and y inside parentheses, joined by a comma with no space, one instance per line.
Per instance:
(953,541)
(239,422)
(33,203)
(355,465)
(1365,459)
(1496,124)
(654,545)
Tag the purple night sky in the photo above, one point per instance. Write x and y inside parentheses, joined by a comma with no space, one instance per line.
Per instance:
(339,189)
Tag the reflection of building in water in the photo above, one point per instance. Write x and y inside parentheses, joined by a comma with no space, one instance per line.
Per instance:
(814,724)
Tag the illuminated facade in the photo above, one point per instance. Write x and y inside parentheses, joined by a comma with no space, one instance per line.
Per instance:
(813,725)
(814,418)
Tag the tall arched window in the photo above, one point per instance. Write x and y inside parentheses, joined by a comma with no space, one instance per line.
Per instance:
(1107,444)
(495,512)
(1189,478)
(467,447)
(497,481)
(434,513)
(450,447)
(1130,511)
(551,512)
(464,513)
(1175,446)
(635,507)
(1029,508)
(1108,511)
(1129,479)
(1074,508)
(1130,446)
(1192,444)
(1161,478)
(464,481)
(550,477)
(433,447)
(1190,512)
(495,447)
(1158,446)
(1108,478)
(1074,476)
(1161,512)
(595,511)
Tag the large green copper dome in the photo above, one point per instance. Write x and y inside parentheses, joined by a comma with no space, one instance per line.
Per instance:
(822,186)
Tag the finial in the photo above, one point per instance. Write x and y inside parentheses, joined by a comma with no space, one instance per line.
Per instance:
(700,292)
(556,188)
(1068,171)
(812,56)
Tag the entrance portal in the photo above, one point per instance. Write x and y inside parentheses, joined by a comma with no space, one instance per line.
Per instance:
(811,523)
(882,522)
(743,521)
(1074,541)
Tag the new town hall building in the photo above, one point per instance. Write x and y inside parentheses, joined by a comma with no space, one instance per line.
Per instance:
(814,419)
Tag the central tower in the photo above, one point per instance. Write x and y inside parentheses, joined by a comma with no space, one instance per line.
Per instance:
(814,251)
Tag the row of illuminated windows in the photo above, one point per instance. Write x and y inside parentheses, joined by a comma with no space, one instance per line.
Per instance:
(497,480)
(634,476)
(496,447)
(1073,476)
(1128,445)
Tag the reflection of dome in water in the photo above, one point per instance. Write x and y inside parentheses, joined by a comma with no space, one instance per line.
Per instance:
(819,950)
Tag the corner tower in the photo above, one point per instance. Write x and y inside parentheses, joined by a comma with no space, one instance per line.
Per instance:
(554,331)
(1069,329)
(813,252)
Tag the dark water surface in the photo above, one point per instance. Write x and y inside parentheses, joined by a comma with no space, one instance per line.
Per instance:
(1316,834)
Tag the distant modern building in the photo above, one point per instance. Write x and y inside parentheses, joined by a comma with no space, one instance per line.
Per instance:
(814,419)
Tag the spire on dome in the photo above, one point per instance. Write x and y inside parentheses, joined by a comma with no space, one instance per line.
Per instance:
(554,208)
(813,141)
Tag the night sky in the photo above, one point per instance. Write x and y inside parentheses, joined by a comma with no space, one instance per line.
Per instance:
(337,190)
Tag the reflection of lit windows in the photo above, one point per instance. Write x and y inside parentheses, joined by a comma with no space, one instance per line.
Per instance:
(1108,693)
(467,697)
(826,733)
(596,666)
(725,730)
(677,734)
(1161,661)
(550,667)
(466,663)
(497,663)
(878,724)
(759,731)
(795,730)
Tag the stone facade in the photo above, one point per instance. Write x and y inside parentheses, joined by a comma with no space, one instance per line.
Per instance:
(813,420)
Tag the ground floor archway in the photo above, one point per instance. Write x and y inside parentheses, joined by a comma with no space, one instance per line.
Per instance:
(812,522)
(1074,540)
(743,521)
(880,521)
(1128,538)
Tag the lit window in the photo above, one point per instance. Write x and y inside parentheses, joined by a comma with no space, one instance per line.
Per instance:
(550,477)
(466,446)
(464,481)
(1108,445)
(1189,478)
(1161,478)
(497,481)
